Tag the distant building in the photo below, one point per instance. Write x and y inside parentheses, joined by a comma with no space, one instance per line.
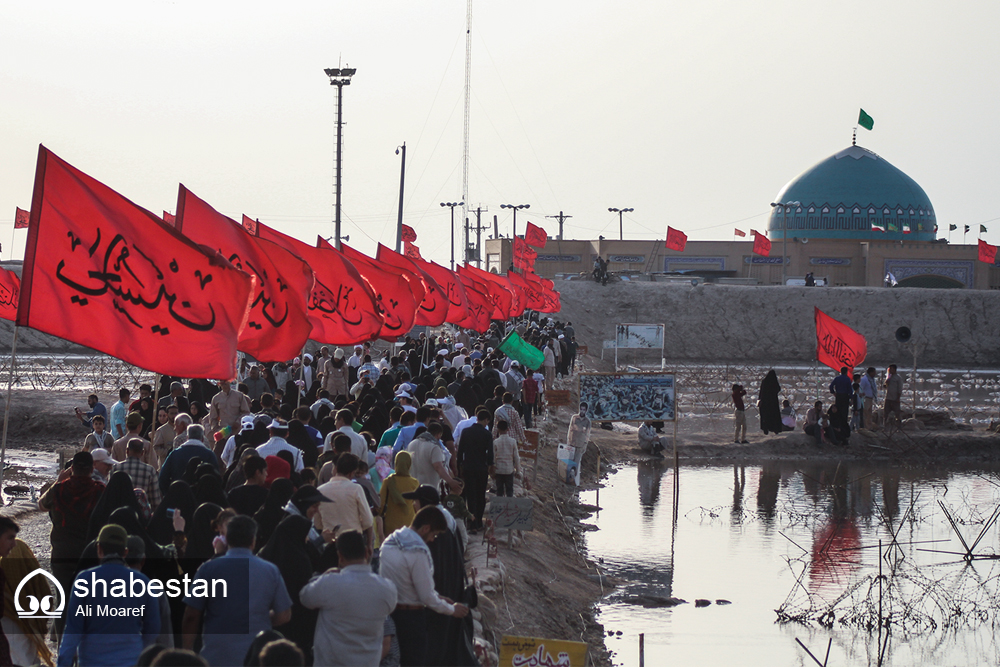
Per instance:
(858,219)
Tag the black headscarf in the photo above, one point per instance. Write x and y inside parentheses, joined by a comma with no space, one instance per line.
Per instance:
(118,493)
(268,516)
(200,533)
(178,496)
(769,405)
(208,489)
(287,549)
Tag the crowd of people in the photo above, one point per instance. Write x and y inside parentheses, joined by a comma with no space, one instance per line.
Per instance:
(334,495)
(855,405)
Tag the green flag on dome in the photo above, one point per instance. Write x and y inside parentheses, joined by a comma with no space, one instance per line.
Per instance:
(865,121)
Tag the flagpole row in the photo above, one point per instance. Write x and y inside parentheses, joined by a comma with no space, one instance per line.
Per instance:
(6,410)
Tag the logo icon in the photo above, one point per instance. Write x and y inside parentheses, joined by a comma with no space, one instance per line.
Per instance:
(44,608)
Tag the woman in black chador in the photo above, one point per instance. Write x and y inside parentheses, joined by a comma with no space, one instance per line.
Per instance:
(768,404)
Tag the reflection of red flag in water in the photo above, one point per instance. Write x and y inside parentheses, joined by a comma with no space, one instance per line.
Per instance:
(21,218)
(433,310)
(341,306)
(761,245)
(835,554)
(837,344)
(479,304)
(411,251)
(536,236)
(249,224)
(676,239)
(987,252)
(409,234)
(392,293)
(10,285)
(497,295)
(105,273)
(458,304)
(279,324)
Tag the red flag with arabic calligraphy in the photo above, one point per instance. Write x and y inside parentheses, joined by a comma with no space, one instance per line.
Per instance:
(433,310)
(532,291)
(10,286)
(341,306)
(547,292)
(536,236)
(105,273)
(411,251)
(676,239)
(279,324)
(837,344)
(21,218)
(518,302)
(458,304)
(987,252)
(499,293)
(249,224)
(479,304)
(392,293)
(761,245)
(409,235)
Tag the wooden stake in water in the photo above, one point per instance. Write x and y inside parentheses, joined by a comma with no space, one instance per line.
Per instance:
(6,410)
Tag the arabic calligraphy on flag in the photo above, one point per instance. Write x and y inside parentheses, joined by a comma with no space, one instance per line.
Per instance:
(761,244)
(10,286)
(535,236)
(107,274)
(21,218)
(837,344)
(676,239)
(409,234)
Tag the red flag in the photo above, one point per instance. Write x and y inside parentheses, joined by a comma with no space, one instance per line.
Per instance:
(987,252)
(740,232)
(279,324)
(10,286)
(532,291)
(761,246)
(250,225)
(411,251)
(409,235)
(520,301)
(535,236)
(479,304)
(392,293)
(496,293)
(676,239)
(433,310)
(341,307)
(21,218)
(169,218)
(458,304)
(837,344)
(105,273)
(550,298)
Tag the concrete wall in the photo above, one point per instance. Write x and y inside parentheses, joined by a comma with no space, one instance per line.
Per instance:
(731,323)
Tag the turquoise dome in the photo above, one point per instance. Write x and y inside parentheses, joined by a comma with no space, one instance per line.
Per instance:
(851,194)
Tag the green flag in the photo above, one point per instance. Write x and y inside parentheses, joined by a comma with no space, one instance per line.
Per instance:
(865,121)
(982,229)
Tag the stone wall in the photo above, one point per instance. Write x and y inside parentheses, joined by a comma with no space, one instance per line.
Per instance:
(757,324)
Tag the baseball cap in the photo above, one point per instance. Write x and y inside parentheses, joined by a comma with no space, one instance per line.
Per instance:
(426,494)
(278,424)
(113,535)
(246,423)
(102,456)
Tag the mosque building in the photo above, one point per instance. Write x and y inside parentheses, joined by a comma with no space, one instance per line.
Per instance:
(853,219)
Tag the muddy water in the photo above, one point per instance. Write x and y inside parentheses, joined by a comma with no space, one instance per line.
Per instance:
(802,539)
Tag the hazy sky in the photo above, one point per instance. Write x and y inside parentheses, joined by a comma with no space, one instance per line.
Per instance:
(693,114)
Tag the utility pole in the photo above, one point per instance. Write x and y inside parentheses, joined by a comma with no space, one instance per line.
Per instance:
(561,218)
(479,234)
(339,78)
(465,126)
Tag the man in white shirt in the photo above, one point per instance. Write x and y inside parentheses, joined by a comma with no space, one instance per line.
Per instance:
(429,459)
(353,603)
(345,421)
(349,509)
(406,561)
(278,430)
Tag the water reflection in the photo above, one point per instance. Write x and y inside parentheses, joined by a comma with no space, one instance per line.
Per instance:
(811,543)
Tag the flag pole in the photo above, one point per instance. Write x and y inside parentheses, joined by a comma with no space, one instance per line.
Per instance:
(6,410)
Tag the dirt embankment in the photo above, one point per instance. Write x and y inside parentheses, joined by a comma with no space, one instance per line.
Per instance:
(773,324)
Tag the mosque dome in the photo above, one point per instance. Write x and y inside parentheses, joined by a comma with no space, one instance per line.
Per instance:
(854,194)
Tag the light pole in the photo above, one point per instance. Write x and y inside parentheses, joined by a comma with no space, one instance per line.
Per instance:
(402,177)
(620,212)
(452,205)
(515,208)
(784,234)
(339,78)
